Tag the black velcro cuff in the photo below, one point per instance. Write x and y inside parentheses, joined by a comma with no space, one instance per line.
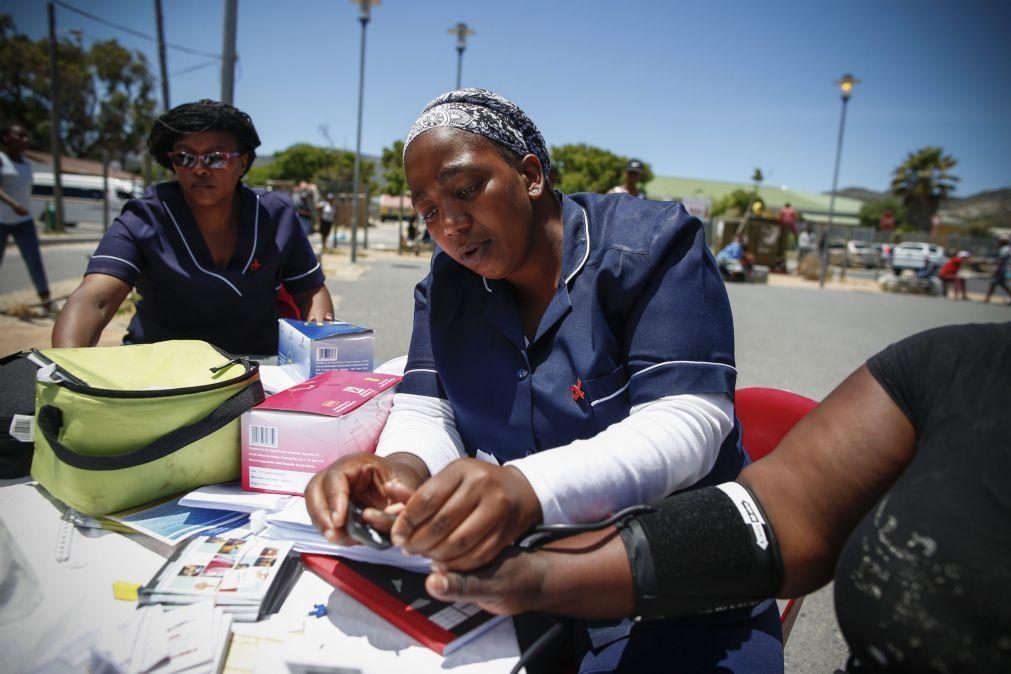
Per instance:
(698,553)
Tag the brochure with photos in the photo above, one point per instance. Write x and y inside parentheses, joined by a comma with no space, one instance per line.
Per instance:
(247,573)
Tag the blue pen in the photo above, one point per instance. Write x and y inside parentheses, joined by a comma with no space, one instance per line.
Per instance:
(318,610)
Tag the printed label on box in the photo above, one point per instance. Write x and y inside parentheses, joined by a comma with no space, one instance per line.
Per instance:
(301,430)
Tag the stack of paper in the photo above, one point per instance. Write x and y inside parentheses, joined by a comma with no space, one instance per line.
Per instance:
(231,497)
(248,577)
(191,640)
(293,524)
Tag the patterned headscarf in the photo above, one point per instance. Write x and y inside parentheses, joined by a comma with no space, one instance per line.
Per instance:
(486,114)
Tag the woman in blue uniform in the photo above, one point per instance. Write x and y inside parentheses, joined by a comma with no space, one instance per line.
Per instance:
(571,356)
(206,253)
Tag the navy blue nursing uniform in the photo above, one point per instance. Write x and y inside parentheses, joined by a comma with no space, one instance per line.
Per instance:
(156,245)
(642,313)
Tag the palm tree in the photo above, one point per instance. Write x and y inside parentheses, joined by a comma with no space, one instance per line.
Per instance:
(923,181)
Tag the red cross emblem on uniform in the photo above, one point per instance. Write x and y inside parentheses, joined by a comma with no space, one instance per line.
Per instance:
(577,390)
(255,265)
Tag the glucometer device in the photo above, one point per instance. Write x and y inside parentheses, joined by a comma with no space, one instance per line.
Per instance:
(364,533)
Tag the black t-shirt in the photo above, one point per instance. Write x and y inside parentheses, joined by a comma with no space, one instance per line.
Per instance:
(924,581)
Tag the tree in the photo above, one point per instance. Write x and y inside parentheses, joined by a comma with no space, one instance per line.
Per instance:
(127,108)
(332,170)
(586,168)
(734,203)
(923,181)
(393,171)
(105,93)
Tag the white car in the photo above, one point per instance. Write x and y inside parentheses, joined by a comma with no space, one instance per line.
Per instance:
(863,254)
(916,255)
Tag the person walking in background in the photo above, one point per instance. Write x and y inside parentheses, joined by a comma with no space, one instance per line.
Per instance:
(325,219)
(999,278)
(949,274)
(806,242)
(302,198)
(633,173)
(15,199)
(788,217)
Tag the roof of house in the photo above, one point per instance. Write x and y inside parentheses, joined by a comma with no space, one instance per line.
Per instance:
(811,206)
(87,167)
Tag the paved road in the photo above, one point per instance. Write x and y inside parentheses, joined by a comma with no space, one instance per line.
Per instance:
(976,283)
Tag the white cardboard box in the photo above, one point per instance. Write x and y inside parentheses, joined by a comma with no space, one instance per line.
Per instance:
(294,434)
(305,350)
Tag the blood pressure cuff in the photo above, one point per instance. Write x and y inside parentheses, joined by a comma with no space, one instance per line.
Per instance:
(702,551)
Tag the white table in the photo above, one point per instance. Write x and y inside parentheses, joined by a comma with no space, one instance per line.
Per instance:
(74,596)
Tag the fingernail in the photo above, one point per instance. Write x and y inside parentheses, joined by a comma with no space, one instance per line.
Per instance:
(399,541)
(440,584)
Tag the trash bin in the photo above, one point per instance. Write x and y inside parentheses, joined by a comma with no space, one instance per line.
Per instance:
(49,217)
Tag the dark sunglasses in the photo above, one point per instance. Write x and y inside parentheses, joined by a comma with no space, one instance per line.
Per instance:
(211,160)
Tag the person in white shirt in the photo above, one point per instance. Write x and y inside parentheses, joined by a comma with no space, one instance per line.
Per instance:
(633,173)
(15,199)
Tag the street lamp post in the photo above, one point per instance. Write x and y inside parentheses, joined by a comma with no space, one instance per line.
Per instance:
(461,31)
(846,84)
(365,13)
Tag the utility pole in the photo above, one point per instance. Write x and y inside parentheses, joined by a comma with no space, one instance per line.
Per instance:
(162,62)
(228,52)
(364,14)
(461,31)
(54,118)
(846,84)
(105,189)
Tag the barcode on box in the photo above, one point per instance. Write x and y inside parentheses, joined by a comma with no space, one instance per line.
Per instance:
(326,353)
(263,436)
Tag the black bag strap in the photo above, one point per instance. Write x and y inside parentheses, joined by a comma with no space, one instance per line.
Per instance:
(50,421)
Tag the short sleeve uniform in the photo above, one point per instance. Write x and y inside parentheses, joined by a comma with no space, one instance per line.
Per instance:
(640,313)
(923,582)
(156,245)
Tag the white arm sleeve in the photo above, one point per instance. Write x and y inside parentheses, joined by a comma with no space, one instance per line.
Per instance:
(662,446)
(422,426)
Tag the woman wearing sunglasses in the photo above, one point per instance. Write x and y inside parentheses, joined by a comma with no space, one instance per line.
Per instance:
(206,253)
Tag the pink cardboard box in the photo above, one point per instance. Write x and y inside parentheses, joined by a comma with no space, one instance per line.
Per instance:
(295,433)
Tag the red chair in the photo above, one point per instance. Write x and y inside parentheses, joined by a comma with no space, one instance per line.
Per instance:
(286,307)
(766,416)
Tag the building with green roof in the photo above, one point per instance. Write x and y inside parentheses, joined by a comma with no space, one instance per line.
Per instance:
(811,207)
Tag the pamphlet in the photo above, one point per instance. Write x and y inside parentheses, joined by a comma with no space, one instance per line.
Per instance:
(244,575)
(171,523)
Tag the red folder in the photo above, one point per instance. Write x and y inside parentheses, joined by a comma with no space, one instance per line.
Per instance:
(398,596)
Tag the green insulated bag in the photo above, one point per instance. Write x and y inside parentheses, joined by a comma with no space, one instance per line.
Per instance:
(120,426)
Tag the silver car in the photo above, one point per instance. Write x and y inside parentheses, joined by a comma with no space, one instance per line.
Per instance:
(916,255)
(863,254)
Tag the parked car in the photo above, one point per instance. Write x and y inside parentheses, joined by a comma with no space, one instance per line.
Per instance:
(916,255)
(82,196)
(863,254)
(836,252)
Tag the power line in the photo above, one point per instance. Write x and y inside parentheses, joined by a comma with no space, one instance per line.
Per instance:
(205,64)
(131,31)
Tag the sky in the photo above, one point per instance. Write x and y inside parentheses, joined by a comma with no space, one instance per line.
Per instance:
(708,89)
